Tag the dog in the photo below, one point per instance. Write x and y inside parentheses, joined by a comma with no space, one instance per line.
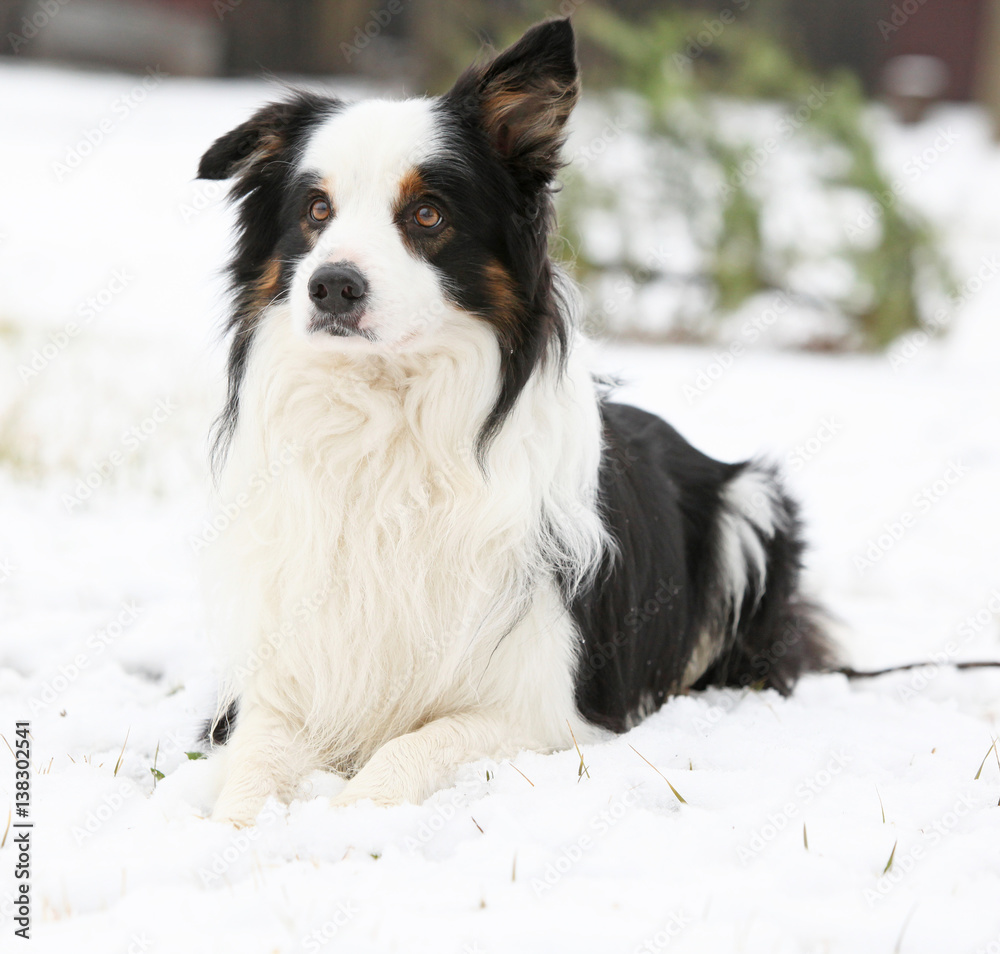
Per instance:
(445,542)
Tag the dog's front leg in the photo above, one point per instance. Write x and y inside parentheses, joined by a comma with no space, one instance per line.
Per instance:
(409,768)
(263,758)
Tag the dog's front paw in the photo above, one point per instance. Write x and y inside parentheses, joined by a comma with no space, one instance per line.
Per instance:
(240,813)
(353,793)
(236,820)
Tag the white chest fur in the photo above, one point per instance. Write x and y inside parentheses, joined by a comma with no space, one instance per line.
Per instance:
(374,578)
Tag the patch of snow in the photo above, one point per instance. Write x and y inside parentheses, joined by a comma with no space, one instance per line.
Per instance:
(895,458)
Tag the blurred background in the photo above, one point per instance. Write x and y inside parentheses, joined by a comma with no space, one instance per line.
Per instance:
(784,215)
(751,111)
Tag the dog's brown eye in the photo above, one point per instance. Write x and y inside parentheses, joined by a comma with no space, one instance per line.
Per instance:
(319,210)
(428,217)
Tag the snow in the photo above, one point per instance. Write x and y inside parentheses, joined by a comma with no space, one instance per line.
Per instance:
(103,484)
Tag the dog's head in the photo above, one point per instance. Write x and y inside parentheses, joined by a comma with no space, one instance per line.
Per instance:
(381,224)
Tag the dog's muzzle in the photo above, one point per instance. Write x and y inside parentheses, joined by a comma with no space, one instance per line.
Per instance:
(338,292)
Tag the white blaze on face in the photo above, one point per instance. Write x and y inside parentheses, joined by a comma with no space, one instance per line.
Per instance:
(362,155)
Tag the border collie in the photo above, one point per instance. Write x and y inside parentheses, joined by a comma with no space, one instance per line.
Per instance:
(445,543)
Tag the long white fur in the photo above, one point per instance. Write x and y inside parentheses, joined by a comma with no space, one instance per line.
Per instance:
(750,513)
(389,607)
(378,580)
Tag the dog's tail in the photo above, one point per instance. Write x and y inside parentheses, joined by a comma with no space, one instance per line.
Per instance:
(768,634)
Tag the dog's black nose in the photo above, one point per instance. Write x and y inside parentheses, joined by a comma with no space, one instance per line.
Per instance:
(337,289)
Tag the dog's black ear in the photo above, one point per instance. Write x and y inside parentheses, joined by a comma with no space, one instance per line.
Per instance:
(262,136)
(523,97)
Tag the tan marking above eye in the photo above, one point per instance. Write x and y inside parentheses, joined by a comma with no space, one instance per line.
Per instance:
(427,217)
(319,210)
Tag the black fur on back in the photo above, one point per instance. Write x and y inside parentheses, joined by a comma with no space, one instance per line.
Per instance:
(641,620)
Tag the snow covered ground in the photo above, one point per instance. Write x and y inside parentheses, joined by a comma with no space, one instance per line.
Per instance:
(109,376)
